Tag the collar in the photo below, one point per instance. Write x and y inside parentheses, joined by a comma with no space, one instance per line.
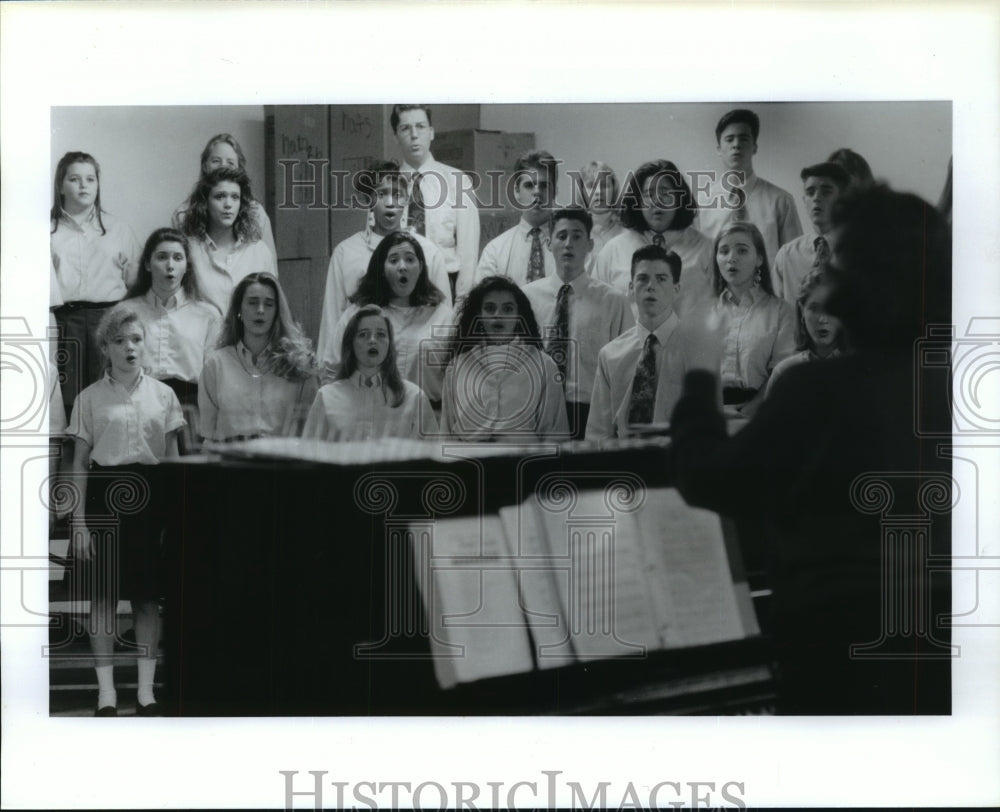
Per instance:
(173,303)
(425,167)
(210,243)
(244,354)
(371,238)
(524,230)
(662,333)
(670,237)
(116,385)
(755,294)
(88,218)
(375,383)
(578,283)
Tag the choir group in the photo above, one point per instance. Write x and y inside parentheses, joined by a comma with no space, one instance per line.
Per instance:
(577,322)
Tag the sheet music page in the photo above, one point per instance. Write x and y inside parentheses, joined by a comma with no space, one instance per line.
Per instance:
(536,577)
(470,595)
(605,599)
(686,565)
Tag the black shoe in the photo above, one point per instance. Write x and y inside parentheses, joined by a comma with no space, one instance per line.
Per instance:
(152,709)
(107,710)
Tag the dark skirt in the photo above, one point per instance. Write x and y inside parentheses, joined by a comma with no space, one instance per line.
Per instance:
(124,519)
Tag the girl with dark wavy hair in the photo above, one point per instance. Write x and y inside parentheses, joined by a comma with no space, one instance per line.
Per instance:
(398,282)
(499,385)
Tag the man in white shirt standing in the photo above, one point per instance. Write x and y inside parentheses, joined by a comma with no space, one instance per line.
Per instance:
(822,184)
(751,199)
(640,374)
(442,206)
(522,252)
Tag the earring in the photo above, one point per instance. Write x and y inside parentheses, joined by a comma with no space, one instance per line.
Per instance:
(239,317)
(756,277)
(371,219)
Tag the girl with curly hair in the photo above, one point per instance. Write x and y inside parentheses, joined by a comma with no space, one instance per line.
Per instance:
(226,242)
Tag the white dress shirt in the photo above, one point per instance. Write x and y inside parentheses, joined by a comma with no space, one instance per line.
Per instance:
(179,334)
(349,263)
(598,314)
(237,397)
(125,425)
(351,409)
(506,392)
(510,252)
(768,207)
(759,333)
(218,275)
(90,266)
(451,217)
(616,367)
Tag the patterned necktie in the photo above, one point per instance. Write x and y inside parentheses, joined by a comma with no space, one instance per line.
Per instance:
(415,211)
(658,240)
(558,347)
(536,263)
(822,252)
(640,410)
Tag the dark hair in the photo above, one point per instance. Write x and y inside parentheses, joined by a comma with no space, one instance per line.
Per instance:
(291,352)
(241,160)
(539,160)
(57,197)
(391,379)
(196,221)
(891,268)
(657,253)
(577,213)
(632,203)
(857,167)
(814,279)
(470,334)
(373,287)
(397,109)
(367,180)
(718,283)
(144,279)
(739,116)
(829,170)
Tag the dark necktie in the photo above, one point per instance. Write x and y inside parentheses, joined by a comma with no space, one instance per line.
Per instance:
(658,240)
(640,408)
(536,262)
(558,347)
(822,252)
(739,213)
(415,211)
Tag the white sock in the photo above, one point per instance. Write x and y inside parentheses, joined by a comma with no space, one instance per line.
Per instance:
(106,694)
(147,669)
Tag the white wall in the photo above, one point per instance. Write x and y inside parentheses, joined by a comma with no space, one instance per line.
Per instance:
(149,155)
(906,143)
